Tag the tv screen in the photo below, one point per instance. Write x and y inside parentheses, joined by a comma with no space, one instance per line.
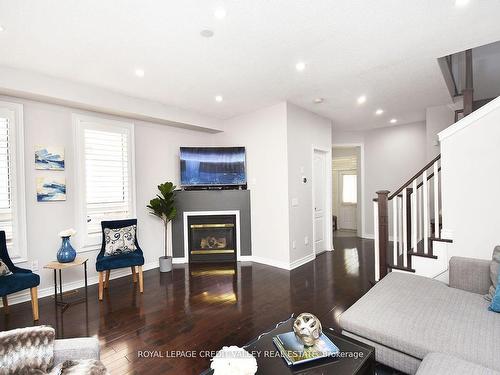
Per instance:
(213,166)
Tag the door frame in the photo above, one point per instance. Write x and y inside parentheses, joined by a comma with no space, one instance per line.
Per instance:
(361,205)
(328,202)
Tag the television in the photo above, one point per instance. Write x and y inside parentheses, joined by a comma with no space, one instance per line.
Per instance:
(205,167)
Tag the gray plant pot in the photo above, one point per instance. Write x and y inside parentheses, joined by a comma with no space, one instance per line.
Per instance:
(165,264)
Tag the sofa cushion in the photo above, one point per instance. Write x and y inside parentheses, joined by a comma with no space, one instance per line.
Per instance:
(445,364)
(417,315)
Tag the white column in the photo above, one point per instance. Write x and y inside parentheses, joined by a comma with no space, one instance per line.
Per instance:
(425,192)
(395,230)
(414,216)
(405,229)
(376,237)
(436,200)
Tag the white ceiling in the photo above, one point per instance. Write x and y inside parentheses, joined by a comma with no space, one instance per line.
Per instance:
(384,49)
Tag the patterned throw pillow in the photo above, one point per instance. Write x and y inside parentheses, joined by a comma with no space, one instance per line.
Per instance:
(4,270)
(494,268)
(27,350)
(119,241)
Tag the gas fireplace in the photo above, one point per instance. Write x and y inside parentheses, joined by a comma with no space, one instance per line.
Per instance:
(212,238)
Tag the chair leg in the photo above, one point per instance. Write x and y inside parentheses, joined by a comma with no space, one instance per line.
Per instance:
(5,304)
(100,286)
(141,281)
(134,274)
(34,302)
(106,284)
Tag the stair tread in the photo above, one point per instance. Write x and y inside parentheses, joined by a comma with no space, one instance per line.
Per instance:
(401,268)
(420,254)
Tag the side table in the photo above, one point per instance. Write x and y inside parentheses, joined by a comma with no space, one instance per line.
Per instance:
(56,266)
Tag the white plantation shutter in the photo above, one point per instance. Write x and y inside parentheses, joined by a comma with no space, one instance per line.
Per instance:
(104,155)
(6,218)
(106,169)
(12,197)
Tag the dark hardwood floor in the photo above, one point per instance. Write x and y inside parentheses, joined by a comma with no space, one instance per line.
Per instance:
(205,307)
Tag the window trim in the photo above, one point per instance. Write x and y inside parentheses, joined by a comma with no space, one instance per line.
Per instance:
(19,252)
(80,123)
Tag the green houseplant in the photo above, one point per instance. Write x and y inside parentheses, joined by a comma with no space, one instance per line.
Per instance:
(163,206)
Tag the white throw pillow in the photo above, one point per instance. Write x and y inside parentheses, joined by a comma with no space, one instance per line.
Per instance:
(119,241)
(4,270)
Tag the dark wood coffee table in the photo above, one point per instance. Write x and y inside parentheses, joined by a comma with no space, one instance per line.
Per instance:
(356,358)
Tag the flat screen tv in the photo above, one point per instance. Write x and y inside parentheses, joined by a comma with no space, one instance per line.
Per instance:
(213,166)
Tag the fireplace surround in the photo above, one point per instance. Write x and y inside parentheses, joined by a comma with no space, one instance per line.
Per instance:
(211,202)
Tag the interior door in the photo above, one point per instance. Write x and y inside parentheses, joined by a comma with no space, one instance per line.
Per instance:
(347,200)
(319,201)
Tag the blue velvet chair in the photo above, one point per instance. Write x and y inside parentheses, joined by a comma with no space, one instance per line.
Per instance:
(20,279)
(108,263)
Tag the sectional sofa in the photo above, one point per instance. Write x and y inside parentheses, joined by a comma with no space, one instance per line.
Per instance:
(410,319)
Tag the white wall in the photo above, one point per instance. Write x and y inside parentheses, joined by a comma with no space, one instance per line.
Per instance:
(264,134)
(470,152)
(391,156)
(305,131)
(436,119)
(157,148)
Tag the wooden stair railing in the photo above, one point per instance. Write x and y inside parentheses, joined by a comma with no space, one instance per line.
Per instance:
(408,211)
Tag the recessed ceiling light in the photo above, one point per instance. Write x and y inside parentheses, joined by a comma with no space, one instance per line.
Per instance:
(139,73)
(206,33)
(2,28)
(319,100)
(361,99)
(393,121)
(379,111)
(219,98)
(220,13)
(300,66)
(461,3)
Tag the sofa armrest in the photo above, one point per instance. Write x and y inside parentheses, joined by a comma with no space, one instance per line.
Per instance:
(80,348)
(472,275)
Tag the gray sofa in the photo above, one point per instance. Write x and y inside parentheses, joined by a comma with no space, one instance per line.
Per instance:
(408,318)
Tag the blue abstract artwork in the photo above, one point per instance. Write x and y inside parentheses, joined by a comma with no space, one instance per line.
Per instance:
(49,158)
(50,189)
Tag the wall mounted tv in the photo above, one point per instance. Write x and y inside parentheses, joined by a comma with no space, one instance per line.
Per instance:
(219,167)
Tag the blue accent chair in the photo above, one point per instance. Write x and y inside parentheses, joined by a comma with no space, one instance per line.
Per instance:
(20,279)
(108,263)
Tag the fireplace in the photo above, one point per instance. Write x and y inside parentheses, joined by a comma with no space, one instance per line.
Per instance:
(211,238)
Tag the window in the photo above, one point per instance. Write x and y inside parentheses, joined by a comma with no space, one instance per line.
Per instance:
(105,177)
(349,189)
(12,197)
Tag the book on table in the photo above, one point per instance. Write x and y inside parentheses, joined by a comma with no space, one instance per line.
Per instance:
(294,352)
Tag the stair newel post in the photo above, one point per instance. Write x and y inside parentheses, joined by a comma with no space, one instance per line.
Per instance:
(383,230)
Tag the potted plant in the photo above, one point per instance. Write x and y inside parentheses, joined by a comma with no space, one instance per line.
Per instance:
(163,207)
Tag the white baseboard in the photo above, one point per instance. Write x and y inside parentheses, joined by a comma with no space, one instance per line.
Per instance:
(302,261)
(92,280)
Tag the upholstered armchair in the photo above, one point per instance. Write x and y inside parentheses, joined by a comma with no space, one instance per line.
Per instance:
(106,263)
(18,280)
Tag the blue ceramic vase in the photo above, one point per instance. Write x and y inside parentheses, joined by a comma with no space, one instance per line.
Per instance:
(66,253)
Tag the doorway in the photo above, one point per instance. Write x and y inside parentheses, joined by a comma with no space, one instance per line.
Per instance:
(346,184)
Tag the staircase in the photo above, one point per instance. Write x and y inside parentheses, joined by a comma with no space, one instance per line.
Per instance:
(407,226)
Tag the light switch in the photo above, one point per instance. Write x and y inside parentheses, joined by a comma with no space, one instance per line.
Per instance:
(295,202)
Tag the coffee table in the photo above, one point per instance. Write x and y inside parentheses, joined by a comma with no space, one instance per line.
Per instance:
(347,364)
